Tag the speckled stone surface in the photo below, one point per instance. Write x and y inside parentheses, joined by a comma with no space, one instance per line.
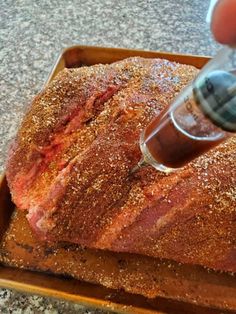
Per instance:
(32,33)
(17,303)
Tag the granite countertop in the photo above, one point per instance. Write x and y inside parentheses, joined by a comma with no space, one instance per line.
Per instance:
(32,34)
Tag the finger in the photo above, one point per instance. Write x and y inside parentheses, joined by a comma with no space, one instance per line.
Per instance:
(223,23)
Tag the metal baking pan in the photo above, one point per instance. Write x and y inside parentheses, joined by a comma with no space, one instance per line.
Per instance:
(214,292)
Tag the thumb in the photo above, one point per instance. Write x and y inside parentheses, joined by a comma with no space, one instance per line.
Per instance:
(223,23)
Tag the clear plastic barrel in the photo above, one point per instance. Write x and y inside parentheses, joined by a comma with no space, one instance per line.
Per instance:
(201,117)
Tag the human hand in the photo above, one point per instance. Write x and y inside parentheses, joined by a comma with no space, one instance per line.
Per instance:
(223,23)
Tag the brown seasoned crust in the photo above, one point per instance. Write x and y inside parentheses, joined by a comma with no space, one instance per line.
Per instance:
(46,128)
(80,189)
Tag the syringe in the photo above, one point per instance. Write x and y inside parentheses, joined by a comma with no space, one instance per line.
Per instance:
(201,117)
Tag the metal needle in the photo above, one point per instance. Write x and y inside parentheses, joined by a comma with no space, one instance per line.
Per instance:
(141,163)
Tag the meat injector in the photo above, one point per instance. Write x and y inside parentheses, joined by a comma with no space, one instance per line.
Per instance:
(202,116)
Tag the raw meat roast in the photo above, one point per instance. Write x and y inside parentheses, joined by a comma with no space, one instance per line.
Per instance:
(69,169)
